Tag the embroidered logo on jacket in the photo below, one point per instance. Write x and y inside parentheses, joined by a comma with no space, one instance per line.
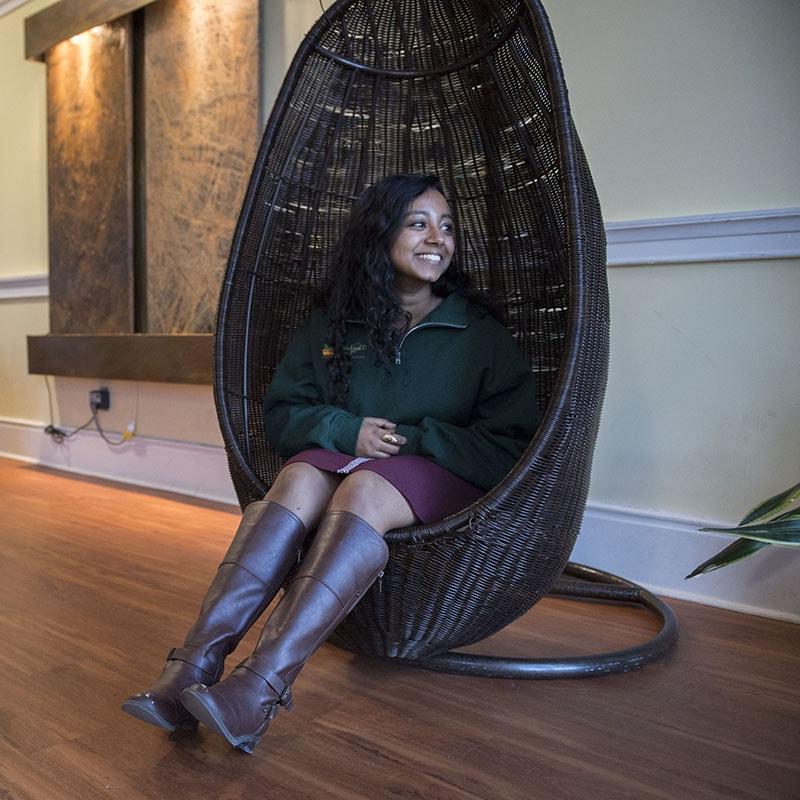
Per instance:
(354,350)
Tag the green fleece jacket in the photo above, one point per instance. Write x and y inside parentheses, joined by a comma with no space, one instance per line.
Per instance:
(459,390)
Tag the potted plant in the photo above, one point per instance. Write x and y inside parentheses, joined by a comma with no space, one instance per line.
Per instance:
(775,521)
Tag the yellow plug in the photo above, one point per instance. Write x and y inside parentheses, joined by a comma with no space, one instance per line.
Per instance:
(129,432)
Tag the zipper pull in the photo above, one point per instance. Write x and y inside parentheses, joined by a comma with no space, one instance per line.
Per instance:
(397,357)
(380,582)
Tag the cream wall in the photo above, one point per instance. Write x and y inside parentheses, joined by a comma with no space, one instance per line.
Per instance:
(23,214)
(701,413)
(687,106)
(23,155)
(22,396)
(684,108)
(692,108)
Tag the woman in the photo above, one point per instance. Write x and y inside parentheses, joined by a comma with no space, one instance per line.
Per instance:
(400,400)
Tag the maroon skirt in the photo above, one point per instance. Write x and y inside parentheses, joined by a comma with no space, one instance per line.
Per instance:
(432,491)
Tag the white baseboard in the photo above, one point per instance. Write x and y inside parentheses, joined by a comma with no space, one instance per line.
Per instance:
(187,468)
(656,550)
(650,548)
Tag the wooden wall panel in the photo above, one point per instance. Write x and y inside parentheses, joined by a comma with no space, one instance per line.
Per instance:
(90,181)
(201,78)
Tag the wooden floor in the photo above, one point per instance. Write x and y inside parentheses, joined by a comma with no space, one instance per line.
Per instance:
(98,581)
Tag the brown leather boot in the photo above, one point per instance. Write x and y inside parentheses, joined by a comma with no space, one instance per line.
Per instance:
(344,559)
(259,558)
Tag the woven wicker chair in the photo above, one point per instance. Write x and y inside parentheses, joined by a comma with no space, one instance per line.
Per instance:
(473,91)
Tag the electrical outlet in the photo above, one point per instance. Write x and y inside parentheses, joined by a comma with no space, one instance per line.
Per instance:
(100,399)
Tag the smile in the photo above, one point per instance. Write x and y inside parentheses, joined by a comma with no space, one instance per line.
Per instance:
(430,257)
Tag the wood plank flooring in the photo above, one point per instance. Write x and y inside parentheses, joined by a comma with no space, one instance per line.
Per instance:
(98,581)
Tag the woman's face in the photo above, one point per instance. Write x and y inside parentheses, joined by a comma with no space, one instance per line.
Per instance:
(424,245)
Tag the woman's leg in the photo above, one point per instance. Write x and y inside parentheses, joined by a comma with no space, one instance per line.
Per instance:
(304,490)
(260,556)
(344,559)
(371,497)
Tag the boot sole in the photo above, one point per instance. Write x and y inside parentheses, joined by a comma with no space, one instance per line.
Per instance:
(194,702)
(145,712)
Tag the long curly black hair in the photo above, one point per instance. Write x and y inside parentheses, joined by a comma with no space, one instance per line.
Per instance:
(360,282)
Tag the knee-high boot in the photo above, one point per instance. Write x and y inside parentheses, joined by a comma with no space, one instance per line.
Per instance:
(343,560)
(257,562)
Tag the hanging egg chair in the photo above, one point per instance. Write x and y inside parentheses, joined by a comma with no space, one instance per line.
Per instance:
(472,91)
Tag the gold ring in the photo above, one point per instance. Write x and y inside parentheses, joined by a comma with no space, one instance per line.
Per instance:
(389,438)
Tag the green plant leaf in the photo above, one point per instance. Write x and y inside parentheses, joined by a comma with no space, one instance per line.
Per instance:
(785,531)
(740,549)
(773,505)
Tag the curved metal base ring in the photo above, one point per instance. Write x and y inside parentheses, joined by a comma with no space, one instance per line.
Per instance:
(594,585)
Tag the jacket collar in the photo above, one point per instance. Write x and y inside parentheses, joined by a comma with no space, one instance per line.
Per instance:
(451,311)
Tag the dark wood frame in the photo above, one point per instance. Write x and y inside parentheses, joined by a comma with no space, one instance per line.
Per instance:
(165,358)
(70,17)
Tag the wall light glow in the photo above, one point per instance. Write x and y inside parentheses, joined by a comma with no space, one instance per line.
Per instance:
(88,44)
(104,32)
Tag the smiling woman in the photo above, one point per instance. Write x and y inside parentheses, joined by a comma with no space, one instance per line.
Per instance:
(422,252)
(400,400)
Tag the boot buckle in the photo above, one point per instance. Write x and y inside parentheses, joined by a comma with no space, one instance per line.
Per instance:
(285,698)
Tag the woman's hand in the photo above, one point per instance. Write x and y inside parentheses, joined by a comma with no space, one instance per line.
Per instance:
(377,439)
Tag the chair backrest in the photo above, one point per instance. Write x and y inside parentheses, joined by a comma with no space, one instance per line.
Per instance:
(472,91)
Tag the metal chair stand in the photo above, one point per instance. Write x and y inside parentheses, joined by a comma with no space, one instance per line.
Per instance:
(593,584)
